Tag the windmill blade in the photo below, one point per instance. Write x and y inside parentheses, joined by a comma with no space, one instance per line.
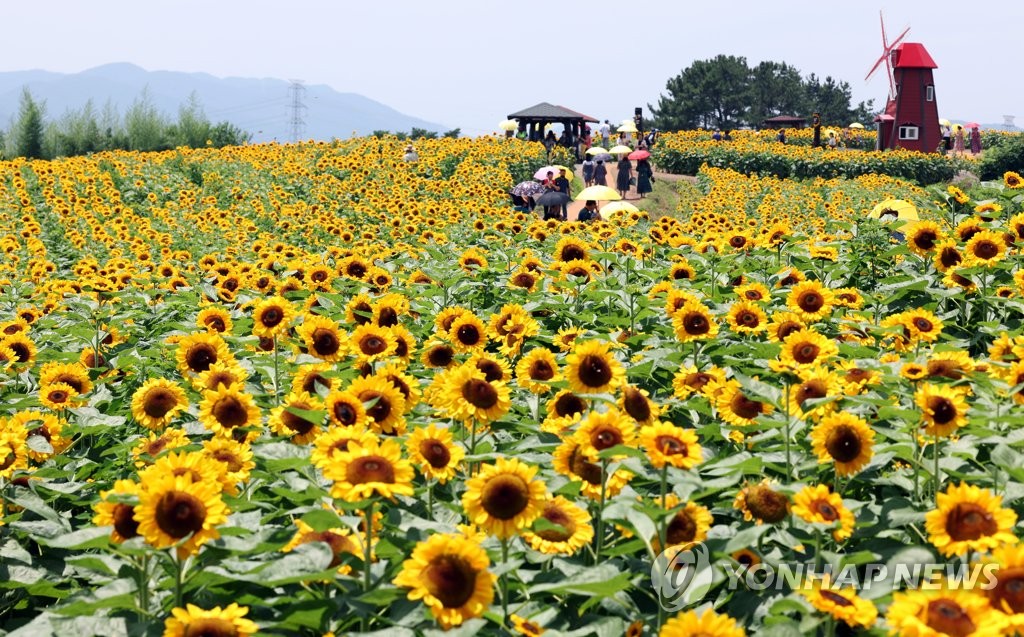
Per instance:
(875,67)
(899,37)
(881,20)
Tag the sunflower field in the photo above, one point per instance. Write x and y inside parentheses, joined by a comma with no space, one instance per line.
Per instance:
(315,390)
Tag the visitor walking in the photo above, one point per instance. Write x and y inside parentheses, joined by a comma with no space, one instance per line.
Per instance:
(975,141)
(644,177)
(624,179)
(588,170)
(600,174)
(958,141)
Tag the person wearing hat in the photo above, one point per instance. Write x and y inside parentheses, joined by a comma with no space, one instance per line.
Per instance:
(410,154)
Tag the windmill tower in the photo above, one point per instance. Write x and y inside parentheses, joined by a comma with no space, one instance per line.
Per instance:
(911,116)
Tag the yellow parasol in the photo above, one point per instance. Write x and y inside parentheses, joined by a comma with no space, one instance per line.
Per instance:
(617,207)
(620,150)
(627,128)
(508,124)
(598,193)
(856,125)
(597,150)
(895,209)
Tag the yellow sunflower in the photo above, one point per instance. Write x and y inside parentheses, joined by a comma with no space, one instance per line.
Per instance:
(504,498)
(985,248)
(73,374)
(227,373)
(158,443)
(449,573)
(117,513)
(844,439)
(815,383)
(811,300)
(923,236)
(761,503)
(215,319)
(525,627)
(371,343)
(735,407)
(58,396)
(236,458)
(48,427)
(566,338)
(197,352)
(943,408)
(322,337)
(383,403)
(229,621)
(313,379)
(636,403)
(433,451)
(707,624)
(783,324)
(841,603)
(967,519)
(299,417)
(687,526)
(344,409)
(694,322)
(747,317)
(667,444)
(1007,594)
(805,348)
(603,430)
(340,541)
(335,441)
(175,511)
(363,471)
(941,612)
(689,380)
(157,402)
(537,369)
(566,528)
(468,333)
(226,410)
(591,368)
(815,504)
(468,395)
(272,316)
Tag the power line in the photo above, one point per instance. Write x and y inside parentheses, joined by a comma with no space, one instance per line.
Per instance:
(297,109)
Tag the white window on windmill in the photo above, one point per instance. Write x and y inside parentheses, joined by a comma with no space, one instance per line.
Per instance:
(929,93)
(908,131)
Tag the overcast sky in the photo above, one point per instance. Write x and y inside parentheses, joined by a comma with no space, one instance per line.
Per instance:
(470,63)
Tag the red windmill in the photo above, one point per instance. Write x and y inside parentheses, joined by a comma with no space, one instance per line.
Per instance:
(911,117)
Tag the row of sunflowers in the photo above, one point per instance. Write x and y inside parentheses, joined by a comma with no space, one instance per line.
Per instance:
(314,389)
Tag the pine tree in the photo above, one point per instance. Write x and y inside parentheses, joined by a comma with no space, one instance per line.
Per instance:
(28,129)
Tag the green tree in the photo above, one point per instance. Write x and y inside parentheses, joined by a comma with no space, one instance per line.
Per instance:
(227,134)
(708,94)
(28,128)
(453,133)
(144,125)
(192,128)
(831,99)
(776,88)
(422,133)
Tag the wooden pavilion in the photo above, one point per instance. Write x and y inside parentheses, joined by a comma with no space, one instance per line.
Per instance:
(533,120)
(784,121)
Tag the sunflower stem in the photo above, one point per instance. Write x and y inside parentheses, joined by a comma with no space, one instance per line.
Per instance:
(938,477)
(917,465)
(599,517)
(179,579)
(472,445)
(785,433)
(143,586)
(367,557)
(277,377)
(430,500)
(504,583)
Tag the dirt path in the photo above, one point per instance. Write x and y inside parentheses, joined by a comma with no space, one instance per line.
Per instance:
(631,195)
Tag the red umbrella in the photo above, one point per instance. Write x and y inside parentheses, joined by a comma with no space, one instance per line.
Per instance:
(638,154)
(970,125)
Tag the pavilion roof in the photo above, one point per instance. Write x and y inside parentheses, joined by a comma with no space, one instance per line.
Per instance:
(549,112)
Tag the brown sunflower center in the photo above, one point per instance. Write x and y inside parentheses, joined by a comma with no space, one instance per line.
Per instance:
(810,301)
(492,371)
(843,444)
(345,413)
(681,529)
(468,334)
(372,344)
(221,377)
(370,469)
(810,390)
(210,627)
(158,402)
(765,504)
(541,370)
(555,515)
(605,438)
(943,410)
(216,323)
(435,453)
(380,409)
(949,257)
(339,544)
(825,510)
(696,323)
(230,412)
(72,381)
(588,471)
(569,405)
(450,579)
(745,407)
(124,521)
(926,239)
(746,318)
(361,311)
(970,521)
(295,422)
(595,371)
(479,393)
(698,380)
(805,353)
(1009,589)
(737,241)
(228,457)
(835,598)
(505,496)
(670,445)
(946,616)
(523,280)
(199,357)
(786,328)
(440,356)
(947,369)
(572,252)
(58,396)
(986,250)
(179,514)
(272,317)
(636,405)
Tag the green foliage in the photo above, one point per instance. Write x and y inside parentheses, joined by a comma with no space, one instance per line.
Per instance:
(145,125)
(453,133)
(1006,155)
(725,93)
(28,128)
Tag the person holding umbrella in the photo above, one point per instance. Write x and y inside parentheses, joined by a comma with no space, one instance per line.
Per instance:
(624,179)
(600,174)
(975,140)
(562,186)
(644,177)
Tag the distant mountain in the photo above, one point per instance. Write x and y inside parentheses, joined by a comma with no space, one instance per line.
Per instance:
(260,106)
